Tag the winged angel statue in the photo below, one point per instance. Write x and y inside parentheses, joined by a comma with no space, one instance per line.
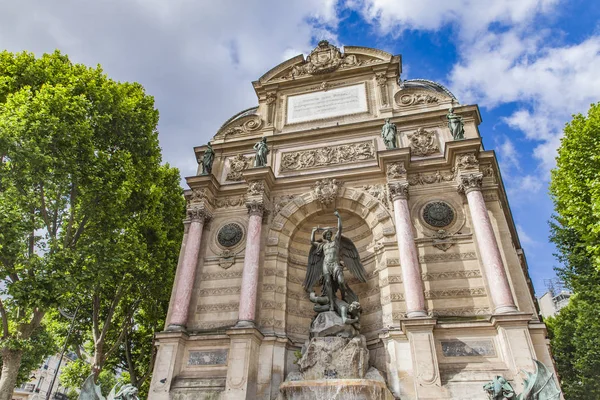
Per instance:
(326,262)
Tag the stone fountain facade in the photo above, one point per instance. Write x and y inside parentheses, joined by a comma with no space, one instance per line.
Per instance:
(447,304)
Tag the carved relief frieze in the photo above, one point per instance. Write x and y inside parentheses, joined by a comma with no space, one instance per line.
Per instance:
(217,325)
(231,201)
(436,276)
(326,190)
(327,155)
(215,276)
(444,293)
(446,257)
(224,291)
(429,178)
(460,312)
(423,142)
(210,308)
(238,164)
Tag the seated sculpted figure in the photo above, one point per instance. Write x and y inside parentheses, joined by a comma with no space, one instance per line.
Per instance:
(350,313)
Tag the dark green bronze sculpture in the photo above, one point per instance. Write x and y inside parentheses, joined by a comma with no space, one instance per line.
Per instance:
(207,159)
(388,133)
(91,391)
(326,262)
(455,124)
(262,150)
(537,386)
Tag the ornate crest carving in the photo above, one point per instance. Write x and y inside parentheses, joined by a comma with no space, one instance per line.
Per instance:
(256,188)
(326,190)
(238,164)
(467,161)
(396,171)
(323,59)
(423,142)
(328,155)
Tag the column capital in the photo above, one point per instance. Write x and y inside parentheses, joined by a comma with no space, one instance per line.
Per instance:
(256,207)
(398,190)
(198,213)
(470,182)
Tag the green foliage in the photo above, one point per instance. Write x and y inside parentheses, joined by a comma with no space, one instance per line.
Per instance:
(89,217)
(575,230)
(35,349)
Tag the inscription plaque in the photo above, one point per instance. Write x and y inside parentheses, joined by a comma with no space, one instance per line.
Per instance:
(326,104)
(469,348)
(213,357)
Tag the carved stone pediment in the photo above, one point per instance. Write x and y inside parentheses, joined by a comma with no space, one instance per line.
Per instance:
(327,58)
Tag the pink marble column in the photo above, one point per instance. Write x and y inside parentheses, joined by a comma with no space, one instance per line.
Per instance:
(411,272)
(187,273)
(249,289)
(500,292)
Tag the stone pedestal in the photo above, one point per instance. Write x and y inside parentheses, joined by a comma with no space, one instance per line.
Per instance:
(168,363)
(328,323)
(335,358)
(242,366)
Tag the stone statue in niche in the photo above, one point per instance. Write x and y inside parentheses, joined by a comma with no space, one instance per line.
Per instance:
(262,150)
(388,133)
(455,124)
(207,159)
(326,262)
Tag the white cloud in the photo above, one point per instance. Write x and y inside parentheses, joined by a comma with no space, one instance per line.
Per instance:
(525,238)
(509,153)
(197,59)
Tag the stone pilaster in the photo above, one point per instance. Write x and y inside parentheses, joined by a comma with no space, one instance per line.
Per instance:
(242,365)
(500,293)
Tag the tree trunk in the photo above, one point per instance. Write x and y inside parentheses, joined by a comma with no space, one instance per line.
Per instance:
(11,362)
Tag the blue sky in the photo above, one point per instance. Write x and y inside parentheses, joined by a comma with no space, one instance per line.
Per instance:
(529,64)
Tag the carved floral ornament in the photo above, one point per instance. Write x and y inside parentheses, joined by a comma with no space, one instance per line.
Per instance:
(255,208)
(423,142)
(467,161)
(328,155)
(256,188)
(396,171)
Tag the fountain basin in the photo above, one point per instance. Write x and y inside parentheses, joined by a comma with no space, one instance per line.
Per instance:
(336,389)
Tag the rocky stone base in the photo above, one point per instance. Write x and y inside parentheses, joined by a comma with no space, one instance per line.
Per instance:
(335,358)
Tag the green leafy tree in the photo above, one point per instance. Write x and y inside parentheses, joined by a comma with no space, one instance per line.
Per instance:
(575,189)
(82,203)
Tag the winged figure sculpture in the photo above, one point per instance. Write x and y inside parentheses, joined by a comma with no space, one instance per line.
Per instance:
(326,262)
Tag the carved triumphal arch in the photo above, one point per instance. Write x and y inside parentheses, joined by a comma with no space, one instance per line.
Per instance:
(443,303)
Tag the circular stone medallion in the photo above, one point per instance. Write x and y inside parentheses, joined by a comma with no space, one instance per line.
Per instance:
(438,214)
(230,235)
